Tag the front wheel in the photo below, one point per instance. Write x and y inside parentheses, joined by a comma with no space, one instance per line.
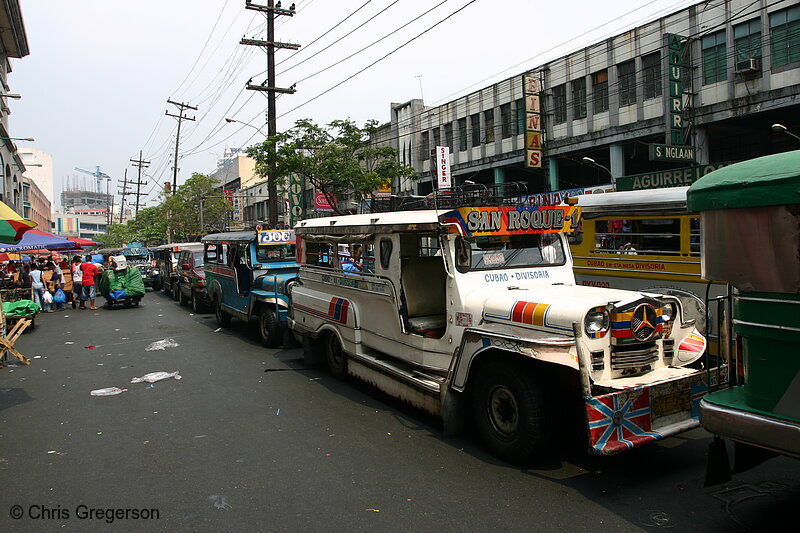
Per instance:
(269,328)
(509,412)
(223,318)
(197,305)
(184,300)
(335,356)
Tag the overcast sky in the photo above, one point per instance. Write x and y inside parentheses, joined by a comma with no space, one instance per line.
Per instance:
(96,82)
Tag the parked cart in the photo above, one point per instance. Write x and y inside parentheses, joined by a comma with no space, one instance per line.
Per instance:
(121,285)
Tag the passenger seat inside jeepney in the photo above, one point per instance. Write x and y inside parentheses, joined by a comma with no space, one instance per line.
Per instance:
(423,285)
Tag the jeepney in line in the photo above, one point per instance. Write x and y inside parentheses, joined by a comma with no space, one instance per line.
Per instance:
(474,315)
(250,274)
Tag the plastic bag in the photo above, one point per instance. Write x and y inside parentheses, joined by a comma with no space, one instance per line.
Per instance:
(59,297)
(117,294)
(162,345)
(152,377)
(47,298)
(108,391)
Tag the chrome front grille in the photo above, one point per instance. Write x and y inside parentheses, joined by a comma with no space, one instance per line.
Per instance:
(633,356)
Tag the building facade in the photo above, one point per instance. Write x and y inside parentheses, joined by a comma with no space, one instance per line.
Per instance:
(39,169)
(35,205)
(13,45)
(705,83)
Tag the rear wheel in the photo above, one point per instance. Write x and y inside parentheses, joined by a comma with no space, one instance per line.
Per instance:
(176,291)
(269,328)
(510,413)
(335,356)
(184,300)
(223,318)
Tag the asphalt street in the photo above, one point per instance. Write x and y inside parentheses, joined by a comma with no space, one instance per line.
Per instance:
(251,439)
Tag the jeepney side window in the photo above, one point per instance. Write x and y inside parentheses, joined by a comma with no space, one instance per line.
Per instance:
(214,253)
(429,246)
(656,236)
(319,254)
(386,253)
(694,236)
(356,257)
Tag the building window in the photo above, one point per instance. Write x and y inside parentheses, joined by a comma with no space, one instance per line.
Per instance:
(651,75)
(505,121)
(747,40)
(462,134)
(488,121)
(520,117)
(437,137)
(715,63)
(579,98)
(560,103)
(425,147)
(448,135)
(600,91)
(784,27)
(627,83)
(476,129)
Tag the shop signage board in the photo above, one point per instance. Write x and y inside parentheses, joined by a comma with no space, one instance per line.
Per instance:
(533,121)
(674,177)
(443,178)
(668,152)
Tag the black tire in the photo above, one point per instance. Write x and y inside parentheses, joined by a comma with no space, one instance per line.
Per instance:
(176,291)
(510,413)
(223,318)
(269,328)
(335,356)
(184,300)
(156,285)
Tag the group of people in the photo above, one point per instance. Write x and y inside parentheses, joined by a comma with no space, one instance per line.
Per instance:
(56,282)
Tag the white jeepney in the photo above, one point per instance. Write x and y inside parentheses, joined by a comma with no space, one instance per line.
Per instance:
(473,315)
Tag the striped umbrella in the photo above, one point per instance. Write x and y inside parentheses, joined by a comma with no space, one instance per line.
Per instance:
(12,226)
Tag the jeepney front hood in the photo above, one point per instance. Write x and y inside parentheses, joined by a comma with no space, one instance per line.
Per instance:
(545,307)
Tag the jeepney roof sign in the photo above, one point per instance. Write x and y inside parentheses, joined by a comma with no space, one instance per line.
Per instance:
(271,237)
(514,220)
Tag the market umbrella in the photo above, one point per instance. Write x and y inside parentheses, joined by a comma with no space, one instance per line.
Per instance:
(35,239)
(83,243)
(12,225)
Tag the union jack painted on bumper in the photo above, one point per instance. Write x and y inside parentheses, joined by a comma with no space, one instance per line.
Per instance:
(623,420)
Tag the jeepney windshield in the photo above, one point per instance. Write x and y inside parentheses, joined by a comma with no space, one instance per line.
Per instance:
(274,252)
(498,252)
(137,258)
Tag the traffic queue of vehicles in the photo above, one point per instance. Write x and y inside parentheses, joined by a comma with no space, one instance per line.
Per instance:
(474,315)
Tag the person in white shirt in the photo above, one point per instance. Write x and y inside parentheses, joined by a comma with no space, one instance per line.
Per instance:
(77,280)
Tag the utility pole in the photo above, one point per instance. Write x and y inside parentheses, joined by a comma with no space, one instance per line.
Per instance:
(272,122)
(140,163)
(181,117)
(123,193)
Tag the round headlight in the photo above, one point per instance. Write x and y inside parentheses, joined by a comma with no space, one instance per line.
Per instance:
(596,321)
(669,312)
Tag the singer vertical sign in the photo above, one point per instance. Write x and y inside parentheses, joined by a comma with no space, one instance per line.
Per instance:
(443,167)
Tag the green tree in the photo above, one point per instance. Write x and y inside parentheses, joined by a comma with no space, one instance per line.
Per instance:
(340,160)
(182,210)
(149,227)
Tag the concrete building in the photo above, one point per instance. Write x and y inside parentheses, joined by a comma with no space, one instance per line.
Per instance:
(13,45)
(39,169)
(35,205)
(236,172)
(705,83)
(84,223)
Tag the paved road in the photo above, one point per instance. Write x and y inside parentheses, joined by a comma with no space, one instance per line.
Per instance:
(250,439)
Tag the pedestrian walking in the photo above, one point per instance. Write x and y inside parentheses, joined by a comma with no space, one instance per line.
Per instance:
(88,271)
(77,281)
(38,285)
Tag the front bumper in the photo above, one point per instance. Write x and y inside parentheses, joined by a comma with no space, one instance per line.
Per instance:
(622,420)
(723,414)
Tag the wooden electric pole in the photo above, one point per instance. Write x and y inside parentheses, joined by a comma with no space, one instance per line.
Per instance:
(123,193)
(181,117)
(140,163)
(272,122)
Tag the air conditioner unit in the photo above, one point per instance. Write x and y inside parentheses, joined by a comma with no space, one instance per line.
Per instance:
(747,65)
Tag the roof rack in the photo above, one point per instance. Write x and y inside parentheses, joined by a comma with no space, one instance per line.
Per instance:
(469,195)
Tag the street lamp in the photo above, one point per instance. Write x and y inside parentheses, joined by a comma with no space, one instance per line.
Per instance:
(780,128)
(592,162)
(8,95)
(232,120)
(27,139)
